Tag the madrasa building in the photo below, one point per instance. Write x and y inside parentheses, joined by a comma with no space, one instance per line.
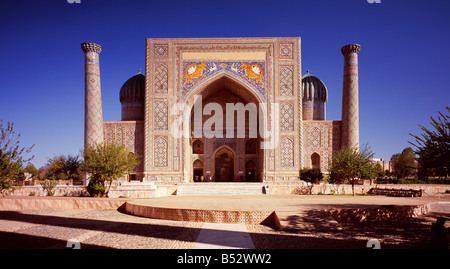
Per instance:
(224,110)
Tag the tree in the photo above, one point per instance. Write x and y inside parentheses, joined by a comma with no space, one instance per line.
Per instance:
(404,164)
(311,176)
(63,168)
(371,170)
(11,157)
(349,164)
(56,168)
(433,147)
(106,163)
(32,170)
(42,171)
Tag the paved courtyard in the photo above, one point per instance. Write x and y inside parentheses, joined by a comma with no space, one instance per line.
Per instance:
(115,229)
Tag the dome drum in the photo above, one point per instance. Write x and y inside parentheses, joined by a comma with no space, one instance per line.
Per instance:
(132,98)
(315,97)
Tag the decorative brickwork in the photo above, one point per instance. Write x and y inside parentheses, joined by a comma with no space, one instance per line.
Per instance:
(286,81)
(286,51)
(161,50)
(161,78)
(160,119)
(323,139)
(160,151)
(287,152)
(286,117)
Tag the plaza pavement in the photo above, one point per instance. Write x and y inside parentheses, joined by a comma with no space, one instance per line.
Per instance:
(44,228)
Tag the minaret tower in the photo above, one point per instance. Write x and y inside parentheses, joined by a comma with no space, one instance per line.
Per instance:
(350,99)
(93,117)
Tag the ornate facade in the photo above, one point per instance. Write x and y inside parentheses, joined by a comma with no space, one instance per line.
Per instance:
(228,109)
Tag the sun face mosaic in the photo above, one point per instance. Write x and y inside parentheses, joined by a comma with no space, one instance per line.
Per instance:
(195,71)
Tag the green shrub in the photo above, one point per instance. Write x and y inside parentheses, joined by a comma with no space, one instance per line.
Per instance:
(49,185)
(96,189)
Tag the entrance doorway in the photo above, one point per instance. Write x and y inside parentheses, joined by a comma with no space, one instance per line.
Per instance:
(224,165)
(198,171)
(315,160)
(250,171)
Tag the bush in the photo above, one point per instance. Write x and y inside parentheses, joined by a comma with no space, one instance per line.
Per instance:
(49,185)
(96,189)
(311,176)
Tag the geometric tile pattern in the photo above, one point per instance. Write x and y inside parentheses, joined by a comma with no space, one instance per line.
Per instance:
(322,138)
(314,137)
(286,81)
(160,112)
(286,51)
(286,117)
(161,50)
(160,152)
(287,152)
(161,78)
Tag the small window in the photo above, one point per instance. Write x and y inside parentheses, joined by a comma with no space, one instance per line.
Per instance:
(197,147)
(315,160)
(250,147)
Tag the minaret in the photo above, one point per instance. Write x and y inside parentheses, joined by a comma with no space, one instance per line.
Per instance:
(350,99)
(93,117)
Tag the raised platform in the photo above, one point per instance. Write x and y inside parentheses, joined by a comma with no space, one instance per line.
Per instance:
(285,211)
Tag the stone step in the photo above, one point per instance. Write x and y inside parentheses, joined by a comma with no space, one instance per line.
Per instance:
(220,188)
(136,186)
(309,220)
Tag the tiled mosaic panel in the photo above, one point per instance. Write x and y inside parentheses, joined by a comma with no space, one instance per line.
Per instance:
(287,152)
(286,81)
(160,115)
(286,51)
(253,72)
(286,117)
(161,50)
(161,78)
(160,152)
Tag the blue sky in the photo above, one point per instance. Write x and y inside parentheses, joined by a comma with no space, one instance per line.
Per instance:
(404,62)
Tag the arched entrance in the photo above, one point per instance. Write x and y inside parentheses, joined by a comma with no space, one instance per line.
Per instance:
(224,165)
(211,129)
(315,160)
(250,171)
(198,171)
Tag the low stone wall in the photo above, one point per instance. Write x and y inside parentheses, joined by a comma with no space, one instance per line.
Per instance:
(427,189)
(379,214)
(59,190)
(59,203)
(115,192)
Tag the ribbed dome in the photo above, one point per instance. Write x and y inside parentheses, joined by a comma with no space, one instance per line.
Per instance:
(314,89)
(133,89)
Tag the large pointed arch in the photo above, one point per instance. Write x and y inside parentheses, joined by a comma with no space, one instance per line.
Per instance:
(208,88)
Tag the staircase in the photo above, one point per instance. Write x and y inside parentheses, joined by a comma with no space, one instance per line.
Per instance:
(220,188)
